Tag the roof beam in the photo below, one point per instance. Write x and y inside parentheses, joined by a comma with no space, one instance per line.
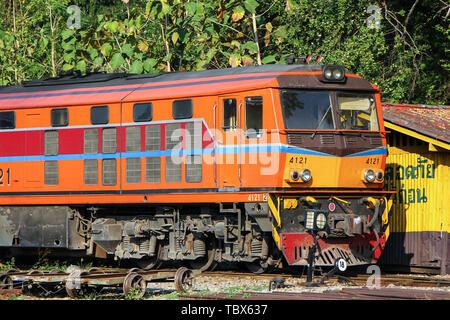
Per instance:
(433,143)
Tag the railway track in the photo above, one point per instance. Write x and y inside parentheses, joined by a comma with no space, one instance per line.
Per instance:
(134,281)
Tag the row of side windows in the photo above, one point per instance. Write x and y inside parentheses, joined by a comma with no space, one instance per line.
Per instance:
(181,109)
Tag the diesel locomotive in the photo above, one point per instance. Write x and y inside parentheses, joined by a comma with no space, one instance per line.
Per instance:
(252,165)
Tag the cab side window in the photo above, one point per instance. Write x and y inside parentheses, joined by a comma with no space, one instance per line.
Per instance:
(253,117)
(229,114)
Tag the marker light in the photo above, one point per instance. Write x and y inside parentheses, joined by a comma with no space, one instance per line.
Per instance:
(379,175)
(294,175)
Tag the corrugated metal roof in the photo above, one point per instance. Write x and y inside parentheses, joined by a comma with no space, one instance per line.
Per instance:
(431,121)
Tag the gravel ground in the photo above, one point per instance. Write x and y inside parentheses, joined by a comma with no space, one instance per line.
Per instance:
(212,285)
(208,285)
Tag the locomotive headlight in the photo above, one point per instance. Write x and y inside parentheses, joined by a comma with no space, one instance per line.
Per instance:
(379,175)
(337,74)
(306,175)
(369,175)
(333,73)
(328,73)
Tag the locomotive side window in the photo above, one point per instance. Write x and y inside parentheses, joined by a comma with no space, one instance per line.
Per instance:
(307,109)
(59,117)
(142,112)
(100,115)
(182,109)
(229,114)
(253,116)
(51,143)
(109,140)
(7,120)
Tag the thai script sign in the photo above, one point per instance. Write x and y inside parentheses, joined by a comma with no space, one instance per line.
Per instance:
(397,176)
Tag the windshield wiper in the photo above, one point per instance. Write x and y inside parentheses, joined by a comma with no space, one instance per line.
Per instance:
(320,122)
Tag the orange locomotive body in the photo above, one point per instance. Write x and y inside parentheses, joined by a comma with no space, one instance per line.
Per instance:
(232,165)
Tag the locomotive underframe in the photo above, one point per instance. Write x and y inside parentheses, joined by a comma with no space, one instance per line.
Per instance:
(200,234)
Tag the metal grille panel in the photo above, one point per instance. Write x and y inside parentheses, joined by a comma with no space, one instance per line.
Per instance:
(51,142)
(194,168)
(173,169)
(194,135)
(153,138)
(133,170)
(109,176)
(133,139)
(90,141)
(109,140)
(153,170)
(91,171)
(51,173)
(173,136)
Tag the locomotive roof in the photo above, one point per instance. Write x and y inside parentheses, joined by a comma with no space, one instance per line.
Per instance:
(96,88)
(114,79)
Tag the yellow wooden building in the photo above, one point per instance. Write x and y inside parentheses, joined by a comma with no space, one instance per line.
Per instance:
(418,168)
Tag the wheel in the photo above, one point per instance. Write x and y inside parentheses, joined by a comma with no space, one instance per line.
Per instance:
(6,282)
(184,280)
(134,284)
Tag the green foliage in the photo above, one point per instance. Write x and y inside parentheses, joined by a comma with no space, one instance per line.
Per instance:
(407,56)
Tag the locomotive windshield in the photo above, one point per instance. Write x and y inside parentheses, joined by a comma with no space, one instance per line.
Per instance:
(307,109)
(357,111)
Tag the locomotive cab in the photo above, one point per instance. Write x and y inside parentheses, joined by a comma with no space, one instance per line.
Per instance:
(334,169)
